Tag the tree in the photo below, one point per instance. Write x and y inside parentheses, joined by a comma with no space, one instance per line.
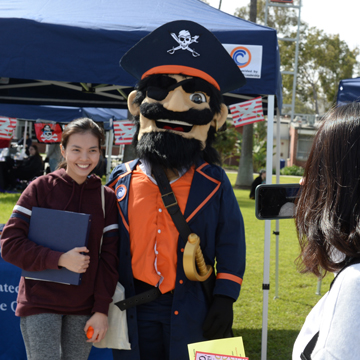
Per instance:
(227,142)
(260,144)
(322,62)
(244,176)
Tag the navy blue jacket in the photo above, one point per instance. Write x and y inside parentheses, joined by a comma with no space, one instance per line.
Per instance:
(213,214)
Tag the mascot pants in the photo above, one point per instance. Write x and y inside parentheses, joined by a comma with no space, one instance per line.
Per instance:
(154,328)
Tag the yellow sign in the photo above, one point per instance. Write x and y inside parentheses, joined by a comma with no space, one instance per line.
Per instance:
(229,346)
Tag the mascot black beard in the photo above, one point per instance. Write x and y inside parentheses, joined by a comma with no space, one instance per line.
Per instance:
(172,299)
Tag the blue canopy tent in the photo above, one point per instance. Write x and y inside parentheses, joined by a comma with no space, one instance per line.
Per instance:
(348,91)
(62,114)
(66,53)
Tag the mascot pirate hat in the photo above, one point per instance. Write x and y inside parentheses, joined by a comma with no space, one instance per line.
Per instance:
(187,48)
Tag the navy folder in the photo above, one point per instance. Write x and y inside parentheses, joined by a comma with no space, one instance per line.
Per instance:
(60,231)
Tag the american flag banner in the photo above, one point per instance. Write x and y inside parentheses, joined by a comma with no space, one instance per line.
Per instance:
(124,131)
(7,127)
(247,112)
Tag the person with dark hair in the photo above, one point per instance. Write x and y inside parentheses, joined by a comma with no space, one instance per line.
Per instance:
(177,108)
(28,143)
(259,180)
(31,167)
(328,221)
(54,316)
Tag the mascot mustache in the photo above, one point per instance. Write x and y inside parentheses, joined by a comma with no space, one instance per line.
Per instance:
(155,111)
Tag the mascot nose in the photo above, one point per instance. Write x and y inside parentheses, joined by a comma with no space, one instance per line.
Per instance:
(175,101)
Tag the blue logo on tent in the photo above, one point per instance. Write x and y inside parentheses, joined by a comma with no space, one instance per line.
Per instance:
(241,55)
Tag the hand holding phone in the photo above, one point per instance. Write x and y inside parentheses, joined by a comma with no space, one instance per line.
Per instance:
(276,201)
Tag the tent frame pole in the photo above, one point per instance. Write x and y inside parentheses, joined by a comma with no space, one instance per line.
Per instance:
(277,231)
(266,277)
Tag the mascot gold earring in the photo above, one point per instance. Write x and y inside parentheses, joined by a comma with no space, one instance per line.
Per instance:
(178,215)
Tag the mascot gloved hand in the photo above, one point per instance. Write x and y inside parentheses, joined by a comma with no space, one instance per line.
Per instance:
(219,319)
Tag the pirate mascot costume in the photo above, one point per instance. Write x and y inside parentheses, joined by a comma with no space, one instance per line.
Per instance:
(174,189)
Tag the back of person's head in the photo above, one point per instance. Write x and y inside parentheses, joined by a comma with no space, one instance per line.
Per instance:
(328,211)
(80,126)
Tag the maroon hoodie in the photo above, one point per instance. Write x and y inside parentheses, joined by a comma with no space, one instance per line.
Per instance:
(59,191)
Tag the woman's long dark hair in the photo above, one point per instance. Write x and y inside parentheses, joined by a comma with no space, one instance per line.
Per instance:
(328,211)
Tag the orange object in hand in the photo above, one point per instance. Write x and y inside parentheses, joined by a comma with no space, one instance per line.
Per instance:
(90,332)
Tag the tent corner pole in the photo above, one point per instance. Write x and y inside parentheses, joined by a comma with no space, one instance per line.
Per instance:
(23,151)
(109,145)
(277,231)
(266,276)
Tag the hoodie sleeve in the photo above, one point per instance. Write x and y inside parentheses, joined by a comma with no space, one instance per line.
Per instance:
(16,248)
(107,275)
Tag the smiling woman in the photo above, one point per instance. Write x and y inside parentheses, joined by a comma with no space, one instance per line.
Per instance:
(56,308)
(81,154)
(80,147)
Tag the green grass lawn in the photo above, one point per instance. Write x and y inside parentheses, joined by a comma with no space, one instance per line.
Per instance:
(7,202)
(296,292)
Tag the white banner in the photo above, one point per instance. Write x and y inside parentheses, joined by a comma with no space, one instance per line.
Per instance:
(247,112)
(124,131)
(7,127)
(248,58)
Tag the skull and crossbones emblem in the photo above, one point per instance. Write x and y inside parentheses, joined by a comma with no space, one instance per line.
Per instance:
(47,134)
(184,39)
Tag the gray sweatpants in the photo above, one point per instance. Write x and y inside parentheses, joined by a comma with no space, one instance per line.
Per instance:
(55,337)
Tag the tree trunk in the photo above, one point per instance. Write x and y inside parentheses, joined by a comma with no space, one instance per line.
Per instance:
(129,153)
(315,99)
(244,177)
(253,10)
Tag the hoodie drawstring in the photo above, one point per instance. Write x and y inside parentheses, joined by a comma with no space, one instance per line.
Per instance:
(81,194)
(72,194)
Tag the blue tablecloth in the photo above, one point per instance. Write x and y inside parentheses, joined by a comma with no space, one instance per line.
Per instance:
(11,342)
